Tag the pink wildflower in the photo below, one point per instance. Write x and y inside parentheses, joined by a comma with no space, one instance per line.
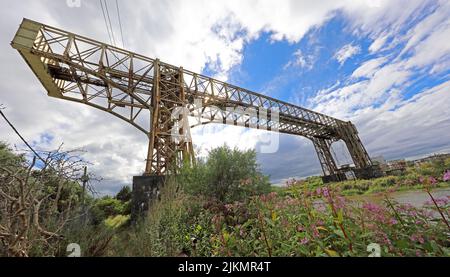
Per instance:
(372,207)
(315,232)
(440,201)
(386,240)
(318,191)
(304,241)
(271,195)
(229,207)
(393,221)
(340,202)
(417,238)
(432,180)
(446,176)
(241,232)
(263,198)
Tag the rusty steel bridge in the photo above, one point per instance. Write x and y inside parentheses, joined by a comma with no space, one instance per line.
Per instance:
(145,92)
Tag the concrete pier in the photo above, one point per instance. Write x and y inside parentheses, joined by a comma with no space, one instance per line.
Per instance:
(146,190)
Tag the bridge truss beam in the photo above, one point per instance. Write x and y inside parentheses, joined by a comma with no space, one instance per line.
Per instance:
(145,93)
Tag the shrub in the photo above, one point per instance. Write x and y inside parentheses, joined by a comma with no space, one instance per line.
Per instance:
(106,207)
(124,194)
(227,175)
(164,232)
(116,221)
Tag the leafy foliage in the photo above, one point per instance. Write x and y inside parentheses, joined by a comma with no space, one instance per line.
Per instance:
(224,206)
(305,219)
(37,200)
(124,194)
(227,175)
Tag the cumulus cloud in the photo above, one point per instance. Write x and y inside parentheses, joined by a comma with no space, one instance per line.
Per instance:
(384,76)
(375,95)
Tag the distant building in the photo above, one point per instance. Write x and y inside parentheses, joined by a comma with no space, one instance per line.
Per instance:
(431,158)
(396,166)
(378,159)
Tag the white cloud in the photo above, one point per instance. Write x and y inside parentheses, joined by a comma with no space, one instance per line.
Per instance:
(416,127)
(346,52)
(368,68)
(436,20)
(212,136)
(432,49)
(389,122)
(378,43)
(385,75)
(300,60)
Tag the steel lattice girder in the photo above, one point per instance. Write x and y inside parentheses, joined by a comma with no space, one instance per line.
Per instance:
(143,91)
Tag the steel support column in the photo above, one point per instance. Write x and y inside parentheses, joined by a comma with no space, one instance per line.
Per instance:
(323,147)
(165,152)
(357,151)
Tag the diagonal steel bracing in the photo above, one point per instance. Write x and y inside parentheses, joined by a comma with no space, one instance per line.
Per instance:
(146,92)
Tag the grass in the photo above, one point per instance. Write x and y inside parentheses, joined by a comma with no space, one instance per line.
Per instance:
(285,224)
(306,218)
(364,187)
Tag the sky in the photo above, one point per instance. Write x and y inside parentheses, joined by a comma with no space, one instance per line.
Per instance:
(384,65)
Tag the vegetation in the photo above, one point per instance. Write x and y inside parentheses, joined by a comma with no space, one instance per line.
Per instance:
(409,180)
(226,176)
(223,206)
(304,219)
(43,208)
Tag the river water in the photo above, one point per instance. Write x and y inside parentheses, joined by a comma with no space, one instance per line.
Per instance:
(419,197)
(416,198)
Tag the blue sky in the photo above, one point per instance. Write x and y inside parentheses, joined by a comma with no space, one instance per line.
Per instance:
(297,71)
(263,68)
(382,64)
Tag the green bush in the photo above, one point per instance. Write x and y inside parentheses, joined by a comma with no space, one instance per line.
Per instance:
(227,175)
(116,221)
(163,232)
(106,207)
(124,194)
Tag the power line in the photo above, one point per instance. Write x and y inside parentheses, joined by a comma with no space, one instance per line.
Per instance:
(46,163)
(20,136)
(110,25)
(120,22)
(106,22)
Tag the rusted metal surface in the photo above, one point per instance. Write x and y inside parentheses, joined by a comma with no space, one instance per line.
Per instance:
(144,92)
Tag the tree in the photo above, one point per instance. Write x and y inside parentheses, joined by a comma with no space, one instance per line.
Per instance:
(227,175)
(37,199)
(124,194)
